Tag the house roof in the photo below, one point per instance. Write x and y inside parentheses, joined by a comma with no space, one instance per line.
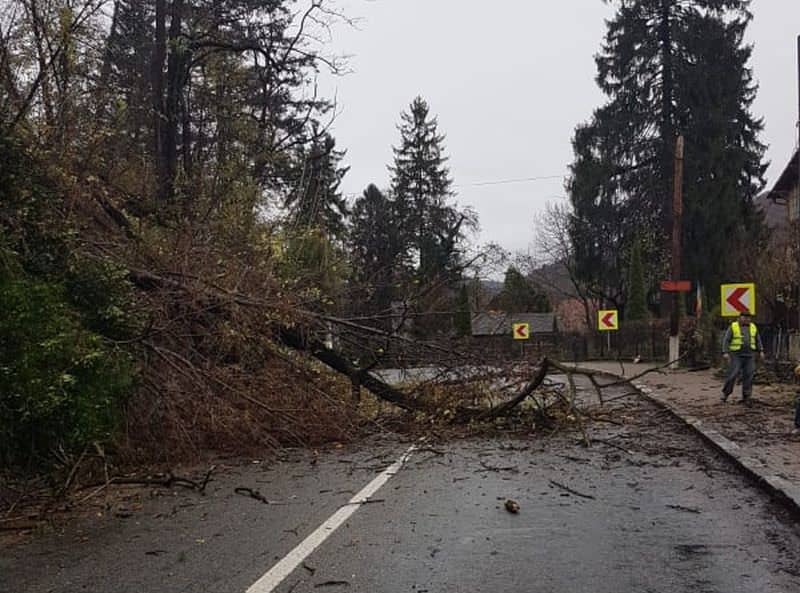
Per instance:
(786,181)
(500,324)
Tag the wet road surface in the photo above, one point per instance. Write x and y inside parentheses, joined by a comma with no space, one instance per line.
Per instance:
(647,508)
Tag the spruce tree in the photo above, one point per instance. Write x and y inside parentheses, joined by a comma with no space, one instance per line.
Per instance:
(376,250)
(668,67)
(316,200)
(432,228)
(125,72)
(519,295)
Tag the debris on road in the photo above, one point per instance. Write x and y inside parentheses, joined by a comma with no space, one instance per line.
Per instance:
(571,491)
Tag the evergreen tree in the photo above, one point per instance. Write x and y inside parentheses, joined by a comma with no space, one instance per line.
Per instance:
(192,90)
(125,72)
(463,316)
(376,249)
(316,200)
(519,295)
(668,67)
(636,303)
(431,226)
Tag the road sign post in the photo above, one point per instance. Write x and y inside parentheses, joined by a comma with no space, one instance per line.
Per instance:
(608,321)
(521,332)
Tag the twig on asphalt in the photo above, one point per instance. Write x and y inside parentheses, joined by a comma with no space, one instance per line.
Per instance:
(614,445)
(571,491)
(492,468)
(256,495)
(678,507)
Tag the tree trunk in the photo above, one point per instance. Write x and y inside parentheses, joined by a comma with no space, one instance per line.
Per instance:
(159,55)
(175,67)
(39,35)
(293,338)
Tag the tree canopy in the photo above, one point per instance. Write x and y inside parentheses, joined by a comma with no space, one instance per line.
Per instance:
(668,68)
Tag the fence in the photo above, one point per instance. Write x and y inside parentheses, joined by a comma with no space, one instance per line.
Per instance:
(646,340)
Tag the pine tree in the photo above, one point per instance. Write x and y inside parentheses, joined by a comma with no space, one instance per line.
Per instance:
(421,184)
(376,249)
(668,67)
(125,71)
(316,200)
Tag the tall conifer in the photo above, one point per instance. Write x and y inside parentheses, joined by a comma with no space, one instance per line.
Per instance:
(421,185)
(668,67)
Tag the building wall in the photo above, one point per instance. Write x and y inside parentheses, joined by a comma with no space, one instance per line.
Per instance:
(793,204)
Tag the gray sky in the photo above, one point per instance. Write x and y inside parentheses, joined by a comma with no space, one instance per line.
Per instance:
(509,80)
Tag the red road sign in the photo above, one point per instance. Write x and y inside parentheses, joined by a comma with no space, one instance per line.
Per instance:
(734,300)
(608,319)
(676,285)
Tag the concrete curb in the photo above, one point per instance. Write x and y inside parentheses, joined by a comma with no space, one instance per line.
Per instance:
(777,486)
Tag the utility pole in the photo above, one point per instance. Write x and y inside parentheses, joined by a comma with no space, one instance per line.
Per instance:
(677,215)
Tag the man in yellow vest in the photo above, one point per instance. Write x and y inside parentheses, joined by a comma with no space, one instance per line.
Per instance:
(739,345)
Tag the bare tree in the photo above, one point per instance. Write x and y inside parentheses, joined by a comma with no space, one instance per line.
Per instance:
(554,248)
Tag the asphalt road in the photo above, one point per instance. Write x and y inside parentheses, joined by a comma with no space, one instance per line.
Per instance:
(647,508)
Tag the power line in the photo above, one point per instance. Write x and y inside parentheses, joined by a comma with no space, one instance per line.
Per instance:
(507,181)
(494,182)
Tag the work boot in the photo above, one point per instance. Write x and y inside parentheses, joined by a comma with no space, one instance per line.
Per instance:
(747,402)
(724,397)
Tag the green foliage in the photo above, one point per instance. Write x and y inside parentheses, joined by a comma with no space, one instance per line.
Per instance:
(28,222)
(99,289)
(61,384)
(310,262)
(668,68)
(519,295)
(377,249)
(636,305)
(61,387)
(432,229)
(316,200)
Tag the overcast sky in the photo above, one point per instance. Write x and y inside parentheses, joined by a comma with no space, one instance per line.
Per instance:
(509,80)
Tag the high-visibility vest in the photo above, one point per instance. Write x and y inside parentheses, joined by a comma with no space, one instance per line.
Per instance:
(736,339)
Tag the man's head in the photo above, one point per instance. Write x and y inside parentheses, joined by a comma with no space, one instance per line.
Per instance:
(745,317)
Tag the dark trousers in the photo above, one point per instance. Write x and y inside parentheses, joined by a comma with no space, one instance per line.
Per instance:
(797,411)
(745,365)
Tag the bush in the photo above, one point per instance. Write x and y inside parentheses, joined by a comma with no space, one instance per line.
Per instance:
(99,289)
(61,387)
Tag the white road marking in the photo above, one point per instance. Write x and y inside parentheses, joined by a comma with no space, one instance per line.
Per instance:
(303,550)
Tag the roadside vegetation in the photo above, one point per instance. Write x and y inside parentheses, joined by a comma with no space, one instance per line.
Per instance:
(180,272)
